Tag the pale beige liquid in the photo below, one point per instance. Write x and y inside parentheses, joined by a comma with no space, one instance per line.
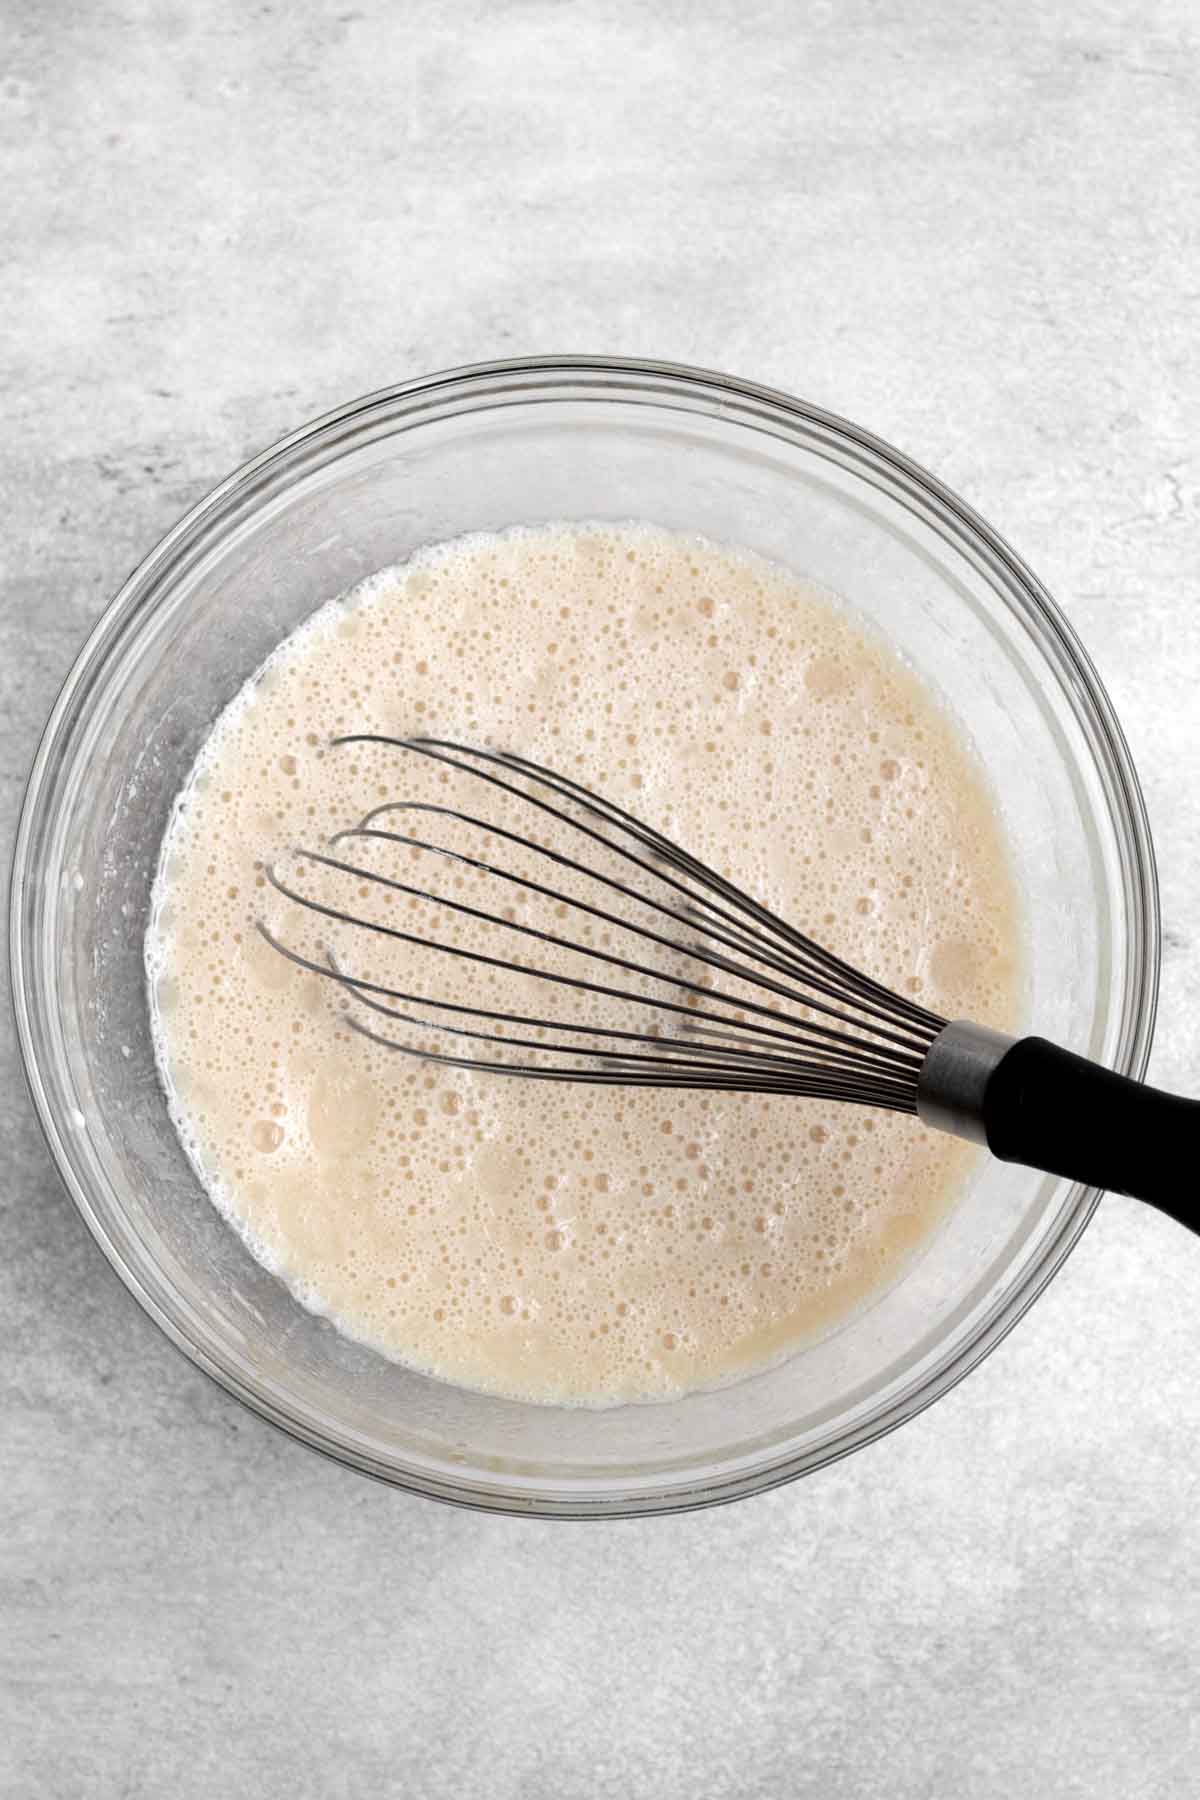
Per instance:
(549,1241)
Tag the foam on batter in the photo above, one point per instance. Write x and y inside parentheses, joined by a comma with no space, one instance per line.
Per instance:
(554,1242)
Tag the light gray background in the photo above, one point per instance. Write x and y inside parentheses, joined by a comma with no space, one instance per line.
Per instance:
(972,227)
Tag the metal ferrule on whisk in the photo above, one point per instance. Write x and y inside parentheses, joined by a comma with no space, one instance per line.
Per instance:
(952,1085)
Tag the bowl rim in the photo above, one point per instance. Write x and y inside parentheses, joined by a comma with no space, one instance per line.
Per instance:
(1106,736)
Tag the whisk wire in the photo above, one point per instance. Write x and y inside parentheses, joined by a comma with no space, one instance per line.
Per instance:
(711,959)
(800,1035)
(808,955)
(563,784)
(867,1045)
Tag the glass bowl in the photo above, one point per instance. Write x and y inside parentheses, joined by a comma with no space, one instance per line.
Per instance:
(478,449)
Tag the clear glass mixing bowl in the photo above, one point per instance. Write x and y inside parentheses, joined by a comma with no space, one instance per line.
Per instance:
(481,448)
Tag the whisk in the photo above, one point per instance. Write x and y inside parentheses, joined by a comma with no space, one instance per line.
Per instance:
(667,975)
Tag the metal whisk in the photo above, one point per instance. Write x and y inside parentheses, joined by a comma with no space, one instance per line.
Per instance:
(668,975)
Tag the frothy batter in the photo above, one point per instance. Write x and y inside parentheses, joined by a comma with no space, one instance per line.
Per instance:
(548,1241)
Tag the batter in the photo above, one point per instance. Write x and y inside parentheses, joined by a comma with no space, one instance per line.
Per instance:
(551,1242)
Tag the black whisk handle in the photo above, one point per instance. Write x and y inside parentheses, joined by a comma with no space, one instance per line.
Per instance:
(1032,1103)
(1055,1111)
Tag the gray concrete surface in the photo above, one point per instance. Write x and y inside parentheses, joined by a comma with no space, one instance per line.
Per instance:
(974,228)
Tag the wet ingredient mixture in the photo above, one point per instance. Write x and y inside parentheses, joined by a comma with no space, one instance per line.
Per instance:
(545,1241)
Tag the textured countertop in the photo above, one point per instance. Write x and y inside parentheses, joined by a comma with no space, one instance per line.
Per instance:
(972,227)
